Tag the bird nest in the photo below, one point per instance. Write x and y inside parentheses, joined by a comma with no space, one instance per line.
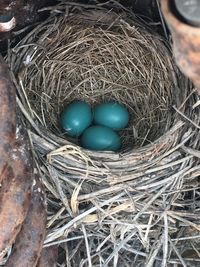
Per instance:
(138,207)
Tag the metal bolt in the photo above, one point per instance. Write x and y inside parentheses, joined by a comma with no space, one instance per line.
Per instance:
(189,10)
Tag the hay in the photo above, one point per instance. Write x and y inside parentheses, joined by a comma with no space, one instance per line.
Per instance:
(135,208)
(121,63)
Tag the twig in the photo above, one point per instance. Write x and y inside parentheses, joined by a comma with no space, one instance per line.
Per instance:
(165,241)
(185,117)
(178,254)
(87,246)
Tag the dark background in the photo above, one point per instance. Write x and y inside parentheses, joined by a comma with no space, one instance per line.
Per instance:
(25,12)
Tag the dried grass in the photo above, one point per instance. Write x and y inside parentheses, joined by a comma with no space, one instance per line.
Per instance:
(135,208)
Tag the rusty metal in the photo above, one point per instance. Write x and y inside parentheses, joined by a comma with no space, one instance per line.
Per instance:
(22,202)
(186,43)
(7,118)
(48,257)
(28,244)
(15,191)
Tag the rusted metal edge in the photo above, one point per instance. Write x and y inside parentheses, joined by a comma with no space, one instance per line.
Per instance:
(186,43)
(29,242)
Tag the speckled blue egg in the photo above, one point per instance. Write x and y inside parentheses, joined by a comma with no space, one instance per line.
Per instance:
(111,114)
(75,118)
(100,138)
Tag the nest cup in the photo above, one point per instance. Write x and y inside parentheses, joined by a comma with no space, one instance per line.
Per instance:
(80,59)
(108,203)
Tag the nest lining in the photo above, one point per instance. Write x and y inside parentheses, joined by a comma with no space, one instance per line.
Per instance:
(106,208)
(97,64)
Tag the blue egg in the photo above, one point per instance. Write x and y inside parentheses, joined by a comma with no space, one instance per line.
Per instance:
(111,114)
(100,138)
(75,118)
